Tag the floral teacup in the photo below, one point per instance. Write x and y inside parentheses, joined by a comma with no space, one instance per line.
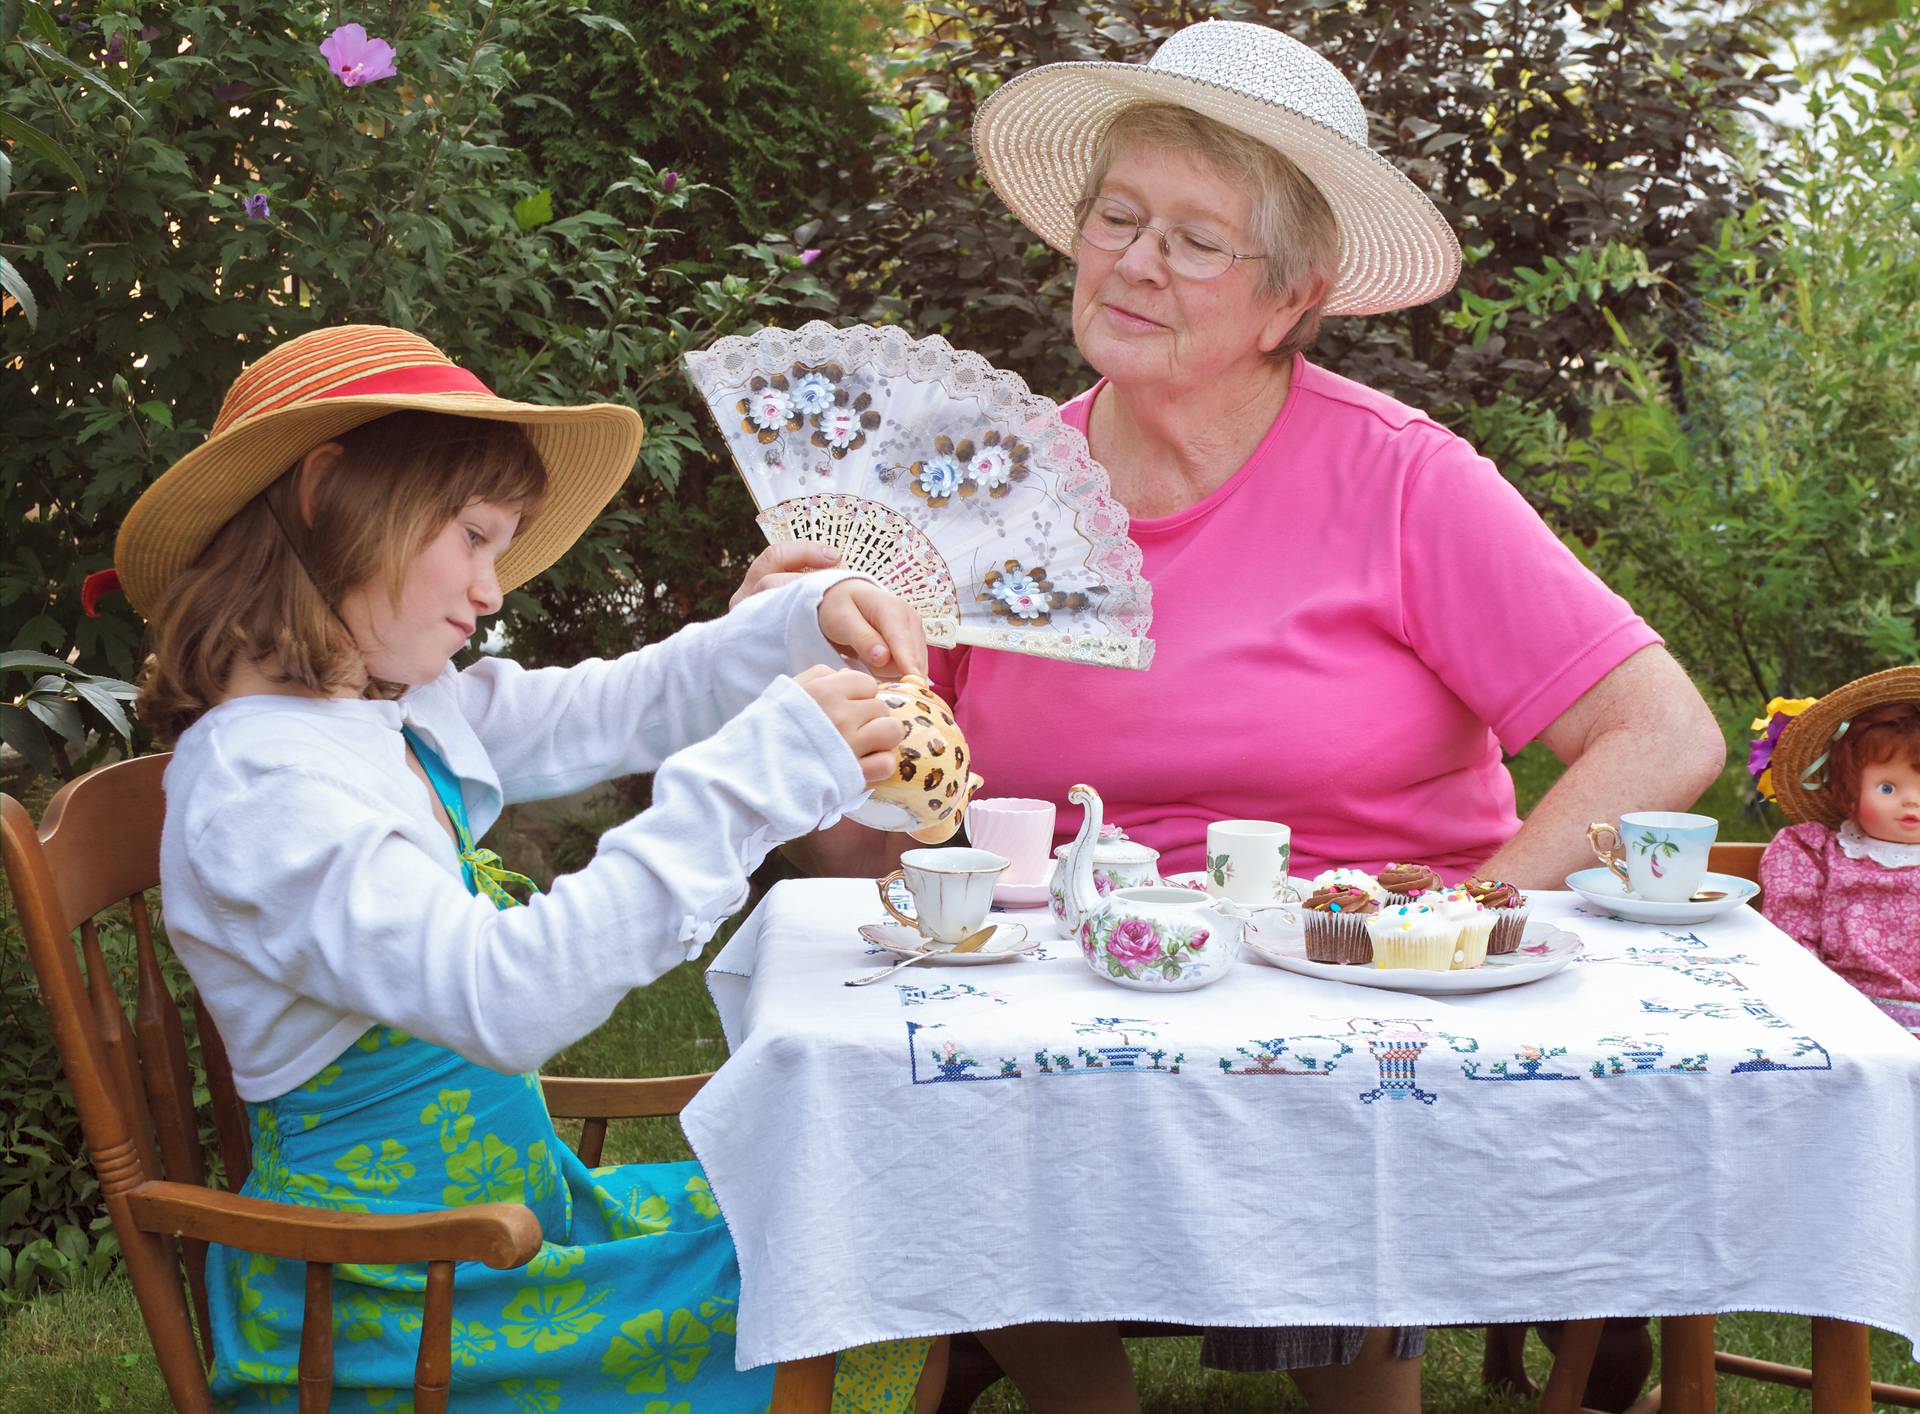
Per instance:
(1160,939)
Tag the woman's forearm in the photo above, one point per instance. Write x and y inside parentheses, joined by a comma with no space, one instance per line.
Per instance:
(848,850)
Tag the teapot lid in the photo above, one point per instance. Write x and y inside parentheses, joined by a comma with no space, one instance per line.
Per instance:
(1113,847)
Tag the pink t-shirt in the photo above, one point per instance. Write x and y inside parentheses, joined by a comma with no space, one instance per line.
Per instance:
(1346,632)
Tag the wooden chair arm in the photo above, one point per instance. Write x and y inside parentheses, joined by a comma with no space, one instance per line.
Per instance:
(573,1098)
(499,1234)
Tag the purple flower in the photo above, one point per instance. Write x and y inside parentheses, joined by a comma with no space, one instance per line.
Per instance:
(356,58)
(1760,753)
(231,92)
(257,208)
(115,52)
(1133,943)
(668,181)
(808,256)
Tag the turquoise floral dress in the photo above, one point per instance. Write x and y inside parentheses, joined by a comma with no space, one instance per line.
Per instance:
(628,1305)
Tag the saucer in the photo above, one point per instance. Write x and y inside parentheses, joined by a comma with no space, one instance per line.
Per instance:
(1544,950)
(1599,887)
(1008,940)
(1019,895)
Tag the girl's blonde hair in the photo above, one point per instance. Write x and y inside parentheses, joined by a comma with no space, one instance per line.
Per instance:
(264,589)
(1877,736)
(1292,223)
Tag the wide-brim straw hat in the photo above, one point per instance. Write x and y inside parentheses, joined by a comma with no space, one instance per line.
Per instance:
(312,389)
(1801,781)
(1037,136)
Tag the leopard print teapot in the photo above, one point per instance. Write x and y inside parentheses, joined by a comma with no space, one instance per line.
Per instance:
(929,789)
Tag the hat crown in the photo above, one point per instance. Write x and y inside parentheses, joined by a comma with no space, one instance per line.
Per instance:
(322,363)
(1268,65)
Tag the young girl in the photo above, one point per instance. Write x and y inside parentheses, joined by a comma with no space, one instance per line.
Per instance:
(1844,877)
(383,986)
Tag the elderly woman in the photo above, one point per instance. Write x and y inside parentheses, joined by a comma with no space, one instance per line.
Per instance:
(1354,612)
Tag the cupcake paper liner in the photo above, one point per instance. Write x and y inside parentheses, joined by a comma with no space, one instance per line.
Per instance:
(1509,925)
(1337,937)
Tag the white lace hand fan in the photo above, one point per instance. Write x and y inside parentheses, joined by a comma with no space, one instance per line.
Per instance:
(942,477)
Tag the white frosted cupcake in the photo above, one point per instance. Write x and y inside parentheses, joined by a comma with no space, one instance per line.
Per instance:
(1351,879)
(1475,923)
(1413,935)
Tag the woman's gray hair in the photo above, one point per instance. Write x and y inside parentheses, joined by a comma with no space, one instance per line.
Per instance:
(1292,223)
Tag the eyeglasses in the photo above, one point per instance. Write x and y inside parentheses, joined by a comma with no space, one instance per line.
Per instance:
(1108,223)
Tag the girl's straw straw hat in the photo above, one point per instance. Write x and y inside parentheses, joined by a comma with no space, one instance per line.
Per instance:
(1801,782)
(313,388)
(1036,137)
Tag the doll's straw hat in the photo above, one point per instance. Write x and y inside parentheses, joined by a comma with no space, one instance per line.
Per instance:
(313,388)
(1801,782)
(1036,139)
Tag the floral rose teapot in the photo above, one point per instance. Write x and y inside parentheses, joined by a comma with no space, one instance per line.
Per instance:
(1155,937)
(930,786)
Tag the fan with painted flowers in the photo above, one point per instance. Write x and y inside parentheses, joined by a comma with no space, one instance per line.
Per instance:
(942,477)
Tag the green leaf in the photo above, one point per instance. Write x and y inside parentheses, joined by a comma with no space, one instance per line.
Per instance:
(27,658)
(40,21)
(157,411)
(15,284)
(535,210)
(9,27)
(605,22)
(31,138)
(58,714)
(97,696)
(6,176)
(94,79)
(26,736)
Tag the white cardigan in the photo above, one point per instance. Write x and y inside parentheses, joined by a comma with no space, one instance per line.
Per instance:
(311,891)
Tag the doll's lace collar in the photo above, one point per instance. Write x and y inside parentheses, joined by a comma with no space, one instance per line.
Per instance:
(1856,843)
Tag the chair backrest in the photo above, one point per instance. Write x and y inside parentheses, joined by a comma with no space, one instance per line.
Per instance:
(97,846)
(1740,858)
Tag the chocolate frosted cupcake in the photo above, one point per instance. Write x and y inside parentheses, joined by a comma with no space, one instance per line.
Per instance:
(1403,881)
(1336,924)
(1509,907)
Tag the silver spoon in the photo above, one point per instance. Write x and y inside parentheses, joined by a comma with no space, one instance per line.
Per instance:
(972,943)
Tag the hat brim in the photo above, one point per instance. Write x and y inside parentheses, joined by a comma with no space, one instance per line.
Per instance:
(1036,137)
(1810,734)
(588,453)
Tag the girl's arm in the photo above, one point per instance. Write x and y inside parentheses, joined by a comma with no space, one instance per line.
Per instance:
(1793,880)
(551,731)
(340,898)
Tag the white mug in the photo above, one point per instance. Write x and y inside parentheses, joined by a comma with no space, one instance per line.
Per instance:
(952,891)
(1247,862)
(1020,829)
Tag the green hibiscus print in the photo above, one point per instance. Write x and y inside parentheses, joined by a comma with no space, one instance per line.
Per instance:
(325,1078)
(396,1400)
(660,1406)
(553,1260)
(654,1345)
(639,1214)
(375,1037)
(700,1195)
(487,1172)
(548,1317)
(539,1396)
(356,1316)
(542,1176)
(471,1340)
(382,1174)
(448,1114)
(717,1312)
(256,1317)
(277,1379)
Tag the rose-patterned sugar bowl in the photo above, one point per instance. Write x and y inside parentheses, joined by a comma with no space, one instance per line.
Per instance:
(1154,937)
(1118,863)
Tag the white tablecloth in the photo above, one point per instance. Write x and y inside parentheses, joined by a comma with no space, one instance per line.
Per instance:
(1680,1122)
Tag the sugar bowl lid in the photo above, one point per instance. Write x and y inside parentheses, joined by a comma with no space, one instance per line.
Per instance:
(1113,847)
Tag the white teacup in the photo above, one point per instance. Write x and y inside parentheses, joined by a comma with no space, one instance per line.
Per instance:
(952,891)
(1247,862)
(1664,852)
(1020,829)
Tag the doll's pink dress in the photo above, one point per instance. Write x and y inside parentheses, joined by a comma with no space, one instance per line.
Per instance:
(1854,901)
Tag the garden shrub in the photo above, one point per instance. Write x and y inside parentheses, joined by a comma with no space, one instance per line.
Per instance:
(1752,481)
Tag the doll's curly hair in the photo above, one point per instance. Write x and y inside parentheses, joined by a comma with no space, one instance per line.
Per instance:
(1878,735)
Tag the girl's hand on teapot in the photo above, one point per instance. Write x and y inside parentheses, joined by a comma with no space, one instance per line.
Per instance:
(874,627)
(851,700)
(777,564)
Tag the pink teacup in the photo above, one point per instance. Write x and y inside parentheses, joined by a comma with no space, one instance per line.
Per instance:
(1021,830)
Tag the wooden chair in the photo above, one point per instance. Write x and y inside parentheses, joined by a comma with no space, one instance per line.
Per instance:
(1740,858)
(99,844)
